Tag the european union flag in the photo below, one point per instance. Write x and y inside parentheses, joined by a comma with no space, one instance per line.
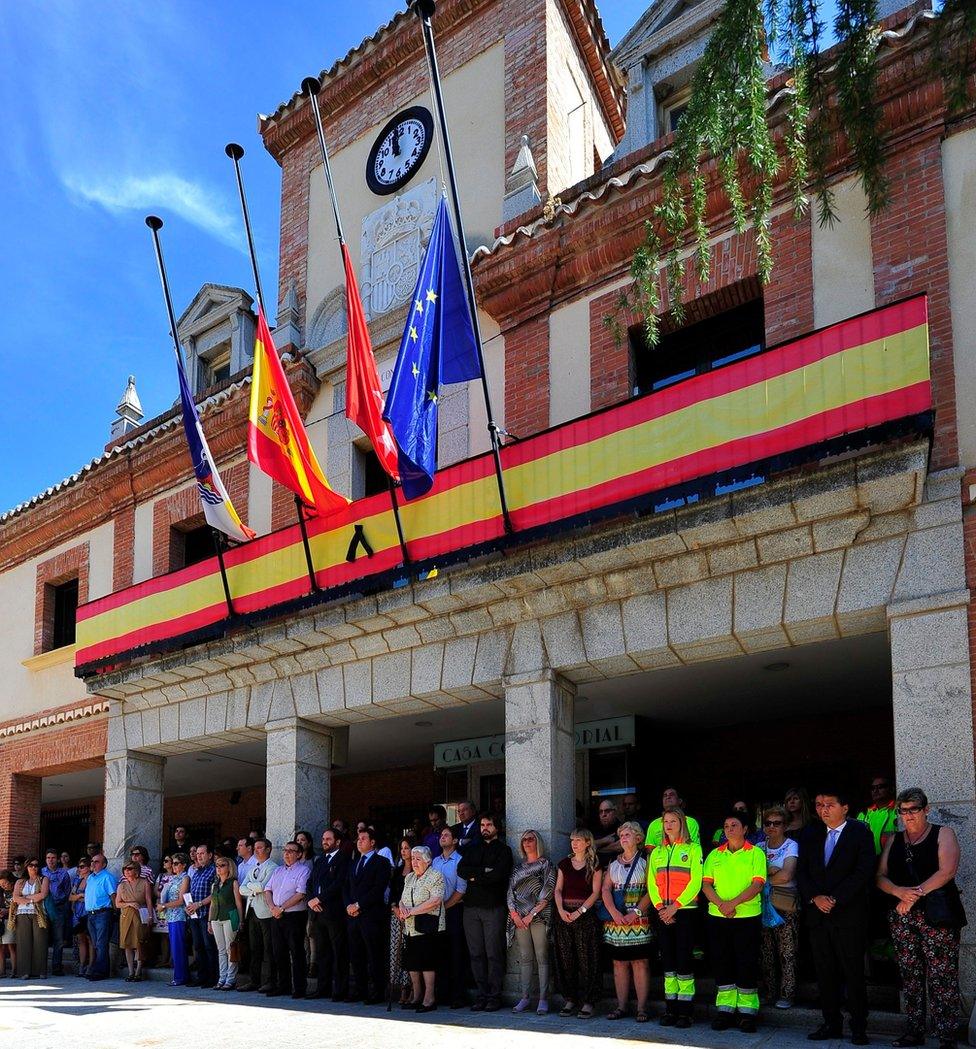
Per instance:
(438,347)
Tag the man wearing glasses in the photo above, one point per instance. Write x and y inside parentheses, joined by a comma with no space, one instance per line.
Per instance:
(285,897)
(57,908)
(99,892)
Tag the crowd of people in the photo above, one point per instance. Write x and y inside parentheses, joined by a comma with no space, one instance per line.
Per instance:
(416,921)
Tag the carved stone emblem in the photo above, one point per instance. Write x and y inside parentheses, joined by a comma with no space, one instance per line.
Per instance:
(394,237)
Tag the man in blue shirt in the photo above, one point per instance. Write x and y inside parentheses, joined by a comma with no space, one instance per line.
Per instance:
(57,909)
(204,945)
(99,892)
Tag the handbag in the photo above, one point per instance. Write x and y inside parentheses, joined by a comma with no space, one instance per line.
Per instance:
(601,909)
(426,924)
(784,899)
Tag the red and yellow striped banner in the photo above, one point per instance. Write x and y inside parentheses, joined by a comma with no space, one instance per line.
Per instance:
(860,374)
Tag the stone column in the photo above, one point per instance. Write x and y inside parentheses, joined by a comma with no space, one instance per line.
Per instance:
(539,767)
(133,805)
(933,714)
(299,780)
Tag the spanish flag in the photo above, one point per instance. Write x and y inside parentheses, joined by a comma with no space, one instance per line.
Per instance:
(276,439)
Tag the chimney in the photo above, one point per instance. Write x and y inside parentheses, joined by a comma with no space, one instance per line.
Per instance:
(129,411)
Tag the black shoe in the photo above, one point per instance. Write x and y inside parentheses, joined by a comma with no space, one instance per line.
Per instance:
(860,1038)
(669,1020)
(684,1022)
(747,1025)
(426,1008)
(909,1038)
(298,994)
(479,1006)
(274,994)
(722,1022)
(824,1033)
(492,1005)
(265,987)
(460,1003)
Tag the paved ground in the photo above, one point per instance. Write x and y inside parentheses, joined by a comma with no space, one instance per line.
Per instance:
(68,1013)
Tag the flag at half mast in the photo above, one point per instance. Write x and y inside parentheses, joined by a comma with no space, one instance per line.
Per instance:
(438,348)
(217,507)
(277,441)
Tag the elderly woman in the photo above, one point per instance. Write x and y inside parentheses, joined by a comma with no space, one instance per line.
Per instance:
(627,934)
(674,880)
(732,882)
(226,918)
(421,909)
(530,890)
(134,902)
(173,910)
(31,921)
(576,939)
(918,870)
(779,944)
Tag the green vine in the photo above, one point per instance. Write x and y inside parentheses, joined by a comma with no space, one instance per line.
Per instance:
(727,118)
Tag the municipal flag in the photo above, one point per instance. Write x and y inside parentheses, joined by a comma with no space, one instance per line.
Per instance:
(438,348)
(277,442)
(364,395)
(217,507)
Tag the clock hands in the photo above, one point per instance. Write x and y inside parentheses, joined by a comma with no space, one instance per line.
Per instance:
(396,141)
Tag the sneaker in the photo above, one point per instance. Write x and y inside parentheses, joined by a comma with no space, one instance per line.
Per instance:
(784,1003)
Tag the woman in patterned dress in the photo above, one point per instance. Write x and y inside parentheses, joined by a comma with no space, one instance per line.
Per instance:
(628,932)
(399,977)
(530,890)
(578,930)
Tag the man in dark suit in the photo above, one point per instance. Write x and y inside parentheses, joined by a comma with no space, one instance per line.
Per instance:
(466,830)
(834,875)
(326,886)
(368,919)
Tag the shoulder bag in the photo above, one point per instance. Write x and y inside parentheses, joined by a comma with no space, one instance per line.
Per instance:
(426,924)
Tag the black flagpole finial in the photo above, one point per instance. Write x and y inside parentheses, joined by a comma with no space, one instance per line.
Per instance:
(425,8)
(154,222)
(234,151)
(311,86)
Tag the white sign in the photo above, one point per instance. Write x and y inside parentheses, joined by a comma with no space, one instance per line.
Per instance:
(609,732)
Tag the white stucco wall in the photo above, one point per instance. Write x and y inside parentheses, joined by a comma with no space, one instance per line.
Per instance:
(959,173)
(142,561)
(569,361)
(494,351)
(843,265)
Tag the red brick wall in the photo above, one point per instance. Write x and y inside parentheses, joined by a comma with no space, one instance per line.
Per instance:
(527,377)
(910,256)
(788,298)
(70,564)
(611,374)
(123,548)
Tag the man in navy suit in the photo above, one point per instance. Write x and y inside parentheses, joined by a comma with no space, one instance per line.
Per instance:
(834,876)
(368,918)
(326,886)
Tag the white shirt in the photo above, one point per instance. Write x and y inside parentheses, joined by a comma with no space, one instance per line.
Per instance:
(243,866)
(778,858)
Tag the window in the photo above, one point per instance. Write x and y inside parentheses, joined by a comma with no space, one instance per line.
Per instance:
(214,367)
(64,598)
(369,478)
(189,546)
(699,347)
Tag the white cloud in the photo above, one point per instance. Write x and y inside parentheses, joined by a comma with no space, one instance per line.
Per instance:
(163,192)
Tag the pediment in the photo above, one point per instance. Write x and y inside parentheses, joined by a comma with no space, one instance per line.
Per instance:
(211,305)
(654,27)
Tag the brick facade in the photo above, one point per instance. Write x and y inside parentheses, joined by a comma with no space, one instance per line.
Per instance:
(68,565)
(527,378)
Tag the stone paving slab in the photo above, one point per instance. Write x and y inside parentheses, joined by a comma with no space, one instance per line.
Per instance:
(111,1014)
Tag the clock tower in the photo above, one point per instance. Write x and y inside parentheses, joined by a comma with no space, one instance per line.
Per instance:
(533,106)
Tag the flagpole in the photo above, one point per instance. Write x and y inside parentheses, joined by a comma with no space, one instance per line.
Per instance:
(235,152)
(425,9)
(155,225)
(311,88)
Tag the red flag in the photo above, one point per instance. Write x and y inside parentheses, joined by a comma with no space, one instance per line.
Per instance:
(277,442)
(364,395)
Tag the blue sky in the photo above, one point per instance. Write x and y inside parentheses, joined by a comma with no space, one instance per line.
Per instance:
(113,110)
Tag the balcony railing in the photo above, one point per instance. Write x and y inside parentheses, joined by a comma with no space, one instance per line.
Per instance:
(840,388)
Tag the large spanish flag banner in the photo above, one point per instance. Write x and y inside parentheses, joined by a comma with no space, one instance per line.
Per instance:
(277,441)
(845,387)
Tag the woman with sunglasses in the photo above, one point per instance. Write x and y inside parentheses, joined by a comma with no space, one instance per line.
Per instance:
(31,922)
(918,870)
(226,917)
(530,889)
(133,898)
(779,944)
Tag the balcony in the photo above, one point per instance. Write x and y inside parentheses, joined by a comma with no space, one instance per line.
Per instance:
(835,391)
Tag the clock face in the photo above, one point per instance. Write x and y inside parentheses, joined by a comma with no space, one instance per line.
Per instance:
(399,150)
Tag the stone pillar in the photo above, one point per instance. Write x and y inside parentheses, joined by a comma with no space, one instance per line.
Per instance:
(933,715)
(539,766)
(299,780)
(133,805)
